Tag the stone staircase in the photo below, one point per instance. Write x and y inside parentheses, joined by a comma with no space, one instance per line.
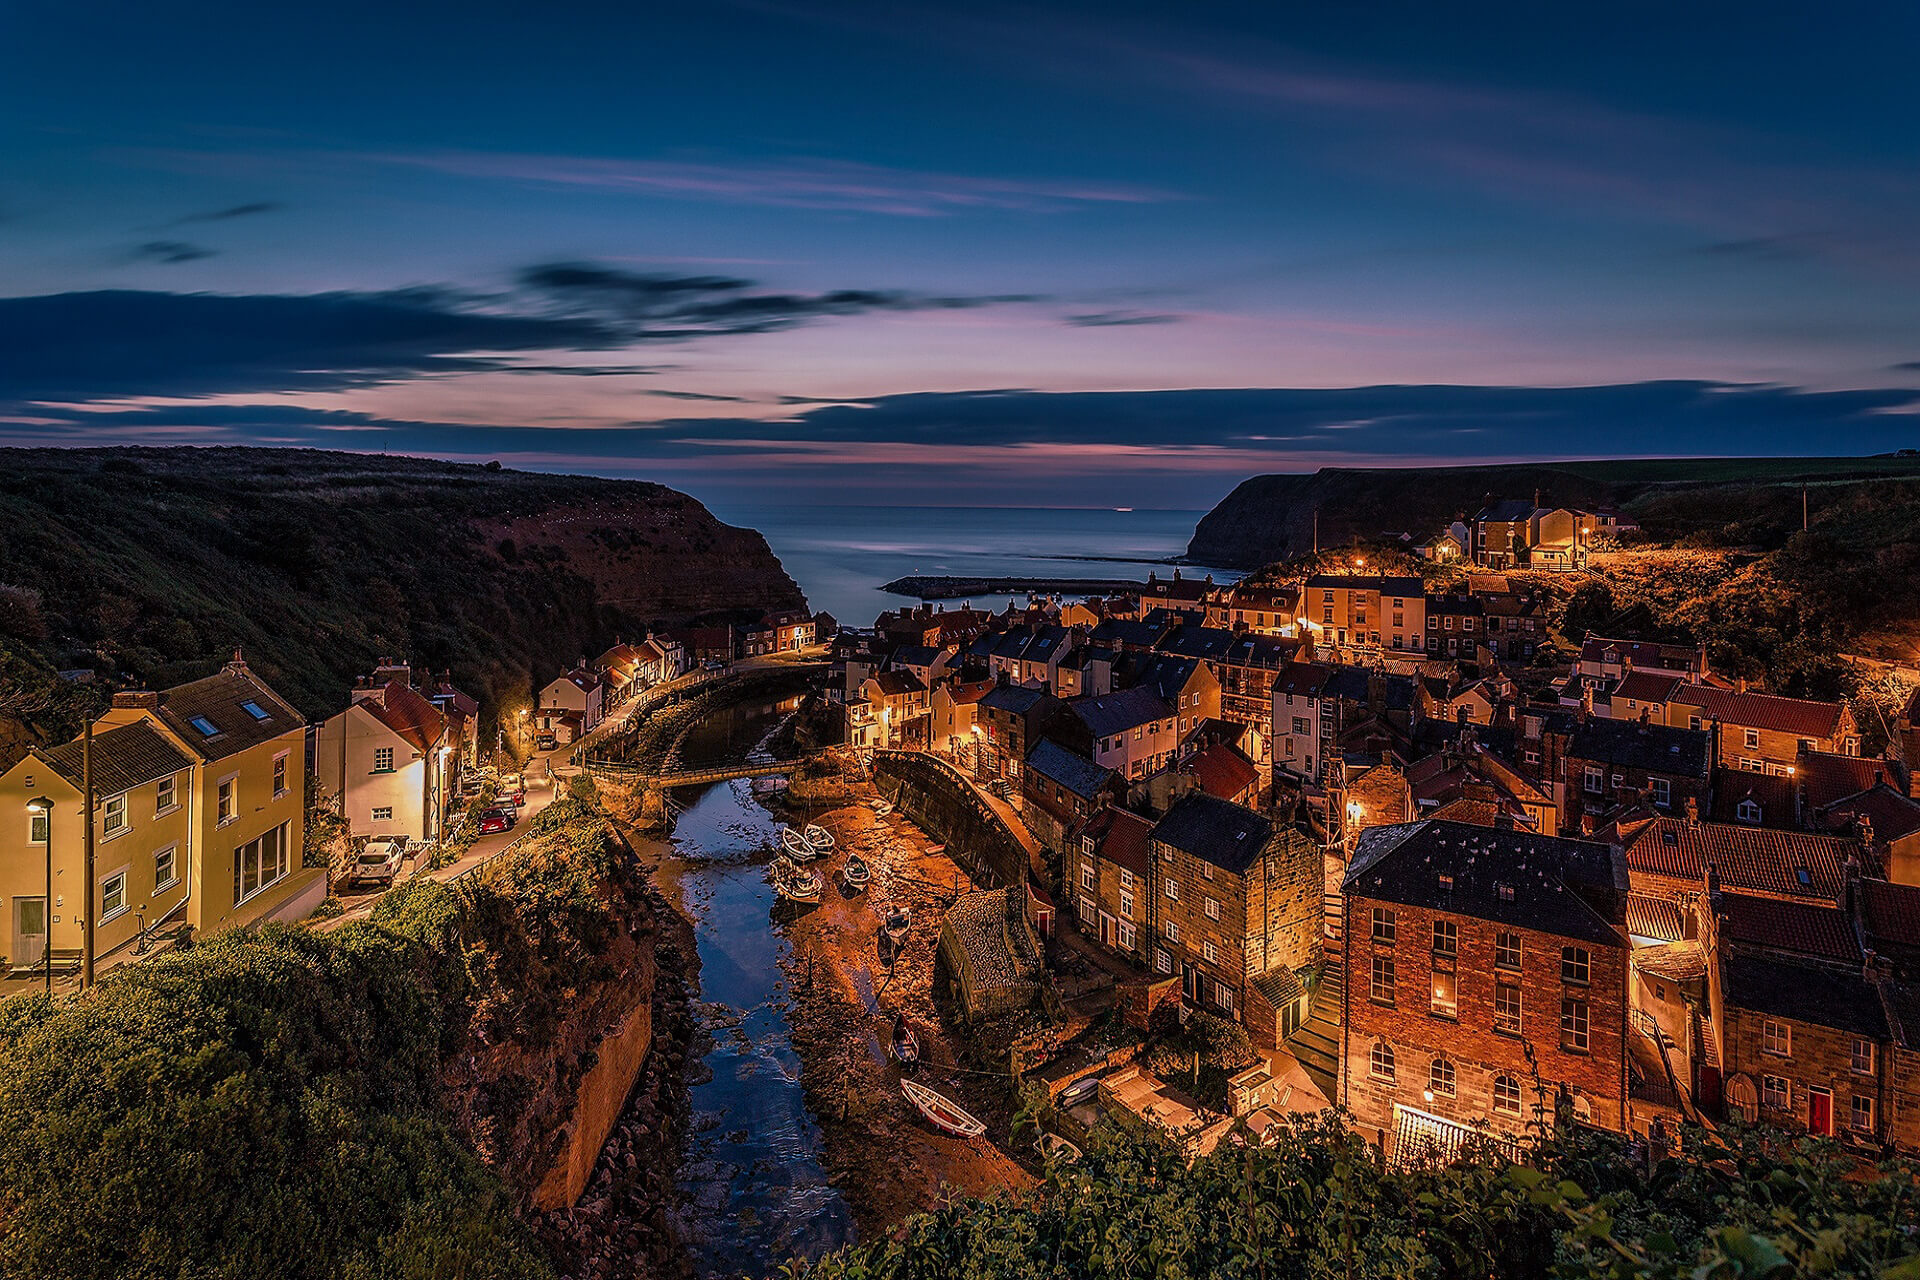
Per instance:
(1316,1045)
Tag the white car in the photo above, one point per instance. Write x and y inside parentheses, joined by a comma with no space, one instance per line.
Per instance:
(379,862)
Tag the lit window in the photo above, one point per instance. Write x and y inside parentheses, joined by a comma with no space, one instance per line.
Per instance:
(1575,965)
(1776,1093)
(1776,1038)
(1383,928)
(1506,950)
(1380,1062)
(1573,1024)
(1440,1079)
(1446,996)
(113,895)
(1753,739)
(1383,981)
(1506,1007)
(1861,1057)
(1506,1096)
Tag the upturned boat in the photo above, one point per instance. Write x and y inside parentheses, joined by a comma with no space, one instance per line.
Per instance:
(898,920)
(943,1112)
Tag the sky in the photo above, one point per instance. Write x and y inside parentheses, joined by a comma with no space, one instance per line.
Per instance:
(962,254)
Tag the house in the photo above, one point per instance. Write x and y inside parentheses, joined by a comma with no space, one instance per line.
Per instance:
(1187,685)
(1187,597)
(1266,610)
(1011,719)
(1456,626)
(1225,773)
(1668,857)
(246,796)
(396,753)
(1133,732)
(462,711)
(572,705)
(143,833)
(1085,670)
(626,670)
(1246,673)
(928,663)
(1764,732)
(1886,822)
(898,702)
(1514,534)
(1516,624)
(1487,985)
(1113,882)
(1604,659)
(1061,789)
(1233,899)
(1365,612)
(953,707)
(792,630)
(1320,710)
(1296,735)
(1607,764)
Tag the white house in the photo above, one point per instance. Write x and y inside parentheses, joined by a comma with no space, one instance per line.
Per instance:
(573,705)
(395,751)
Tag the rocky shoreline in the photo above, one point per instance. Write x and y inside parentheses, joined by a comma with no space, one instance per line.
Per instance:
(956,588)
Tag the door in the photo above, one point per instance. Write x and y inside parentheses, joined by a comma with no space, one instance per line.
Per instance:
(1192,982)
(29,931)
(1820,1111)
(1107,930)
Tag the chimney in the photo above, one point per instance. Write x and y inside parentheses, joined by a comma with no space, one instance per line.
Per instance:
(137,698)
(1693,811)
(1740,684)
(1586,703)
(238,666)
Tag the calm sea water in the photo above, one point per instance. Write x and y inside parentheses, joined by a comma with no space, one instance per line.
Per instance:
(841,555)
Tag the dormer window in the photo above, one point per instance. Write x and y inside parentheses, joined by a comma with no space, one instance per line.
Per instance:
(1749,811)
(206,727)
(255,710)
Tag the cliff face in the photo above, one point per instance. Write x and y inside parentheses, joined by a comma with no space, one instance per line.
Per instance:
(151,565)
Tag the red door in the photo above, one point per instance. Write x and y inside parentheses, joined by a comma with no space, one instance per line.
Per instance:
(1820,1112)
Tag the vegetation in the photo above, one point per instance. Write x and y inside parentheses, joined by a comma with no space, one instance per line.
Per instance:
(1319,1204)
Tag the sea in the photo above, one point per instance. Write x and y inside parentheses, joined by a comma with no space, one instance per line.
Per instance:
(841,555)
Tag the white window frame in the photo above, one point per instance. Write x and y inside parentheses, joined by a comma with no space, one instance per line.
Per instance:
(378,754)
(1086,876)
(1661,789)
(281,774)
(1776,1093)
(1575,1024)
(1861,1063)
(1442,1079)
(1172,932)
(1501,948)
(380,813)
(1776,1039)
(1506,1090)
(1209,951)
(1594,781)
(1172,890)
(1162,962)
(1505,1021)
(1125,933)
(226,792)
(1381,927)
(166,794)
(112,913)
(1861,1102)
(171,853)
(112,808)
(1382,1067)
(1576,966)
(1213,908)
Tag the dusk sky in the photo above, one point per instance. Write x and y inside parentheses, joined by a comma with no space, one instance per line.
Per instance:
(973,253)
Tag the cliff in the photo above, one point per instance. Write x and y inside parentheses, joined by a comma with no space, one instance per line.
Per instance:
(1271,517)
(151,565)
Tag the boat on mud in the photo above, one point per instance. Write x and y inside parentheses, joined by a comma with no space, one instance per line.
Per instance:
(1052,1146)
(857,873)
(794,883)
(881,808)
(905,1045)
(820,838)
(943,1112)
(795,846)
(896,924)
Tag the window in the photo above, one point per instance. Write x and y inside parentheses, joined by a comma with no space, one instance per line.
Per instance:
(260,864)
(383,759)
(1753,739)
(1213,908)
(1749,811)
(1446,938)
(229,800)
(255,710)
(1595,783)
(1446,991)
(1776,1038)
(1506,950)
(1861,1058)
(166,868)
(1506,1007)
(1300,725)
(1380,1062)
(113,819)
(165,794)
(1209,951)
(113,896)
(1861,1119)
(1173,890)
(383,813)
(1776,1093)
(1506,1096)
(1086,876)
(1223,996)
(1126,933)
(36,828)
(1440,1079)
(1126,878)
(1575,965)
(1573,1024)
(1383,930)
(1173,931)
(1382,988)
(206,727)
(1126,902)
(1162,962)
(1661,790)
(279,775)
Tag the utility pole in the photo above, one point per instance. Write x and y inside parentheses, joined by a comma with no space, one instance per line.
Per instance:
(86,856)
(1803,508)
(1316,531)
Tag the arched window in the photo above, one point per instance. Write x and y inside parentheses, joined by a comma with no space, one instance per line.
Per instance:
(1440,1079)
(1380,1062)
(1506,1096)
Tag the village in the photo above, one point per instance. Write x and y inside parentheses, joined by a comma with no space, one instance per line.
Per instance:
(1373,836)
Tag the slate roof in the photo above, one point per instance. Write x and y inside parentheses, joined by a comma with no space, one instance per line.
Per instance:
(1798,716)
(123,758)
(1891,913)
(1569,888)
(1227,835)
(1805,993)
(1121,632)
(1012,698)
(1468,606)
(916,655)
(1111,713)
(1268,652)
(1804,928)
(1764,859)
(1209,643)
(1045,644)
(1355,683)
(1656,748)
(1505,511)
(1068,768)
(217,699)
(894,684)
(1304,678)
(1403,587)
(1167,675)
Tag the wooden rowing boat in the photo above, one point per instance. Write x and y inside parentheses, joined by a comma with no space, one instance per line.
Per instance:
(899,921)
(820,838)
(795,845)
(905,1045)
(1056,1148)
(1077,1092)
(943,1112)
(857,872)
(796,884)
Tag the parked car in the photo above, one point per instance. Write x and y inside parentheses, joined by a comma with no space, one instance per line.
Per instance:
(497,819)
(513,788)
(545,741)
(378,863)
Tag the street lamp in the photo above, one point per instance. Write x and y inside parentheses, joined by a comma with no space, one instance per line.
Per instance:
(43,807)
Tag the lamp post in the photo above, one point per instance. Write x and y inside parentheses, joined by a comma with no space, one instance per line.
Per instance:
(43,807)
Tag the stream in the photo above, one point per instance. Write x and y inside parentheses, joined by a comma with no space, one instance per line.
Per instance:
(755,1193)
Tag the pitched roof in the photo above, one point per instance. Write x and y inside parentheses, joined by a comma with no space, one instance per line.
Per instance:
(408,714)
(1656,748)
(1801,717)
(1891,814)
(1505,511)
(1210,643)
(1827,776)
(1653,917)
(1012,698)
(1644,653)
(1648,686)
(1111,713)
(1804,928)
(123,758)
(1167,675)
(1068,768)
(1794,864)
(1121,837)
(1891,913)
(1385,586)
(1222,771)
(964,692)
(894,684)
(1675,961)
(1303,678)
(1805,993)
(1569,888)
(1228,835)
(221,701)
(1773,793)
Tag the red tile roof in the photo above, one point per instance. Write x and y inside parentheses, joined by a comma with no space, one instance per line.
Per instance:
(1121,837)
(1223,772)
(1799,927)
(1648,686)
(1891,912)
(1891,814)
(407,714)
(1760,859)
(1826,776)
(1645,654)
(1798,716)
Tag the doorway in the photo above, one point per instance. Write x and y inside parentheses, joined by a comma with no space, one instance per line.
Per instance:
(29,932)
(1820,1111)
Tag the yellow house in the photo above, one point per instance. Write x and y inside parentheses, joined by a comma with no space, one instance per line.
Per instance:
(142,783)
(247,802)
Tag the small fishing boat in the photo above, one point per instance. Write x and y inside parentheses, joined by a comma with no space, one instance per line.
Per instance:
(942,1111)
(881,808)
(898,921)
(795,846)
(905,1046)
(820,838)
(1056,1148)
(857,872)
(795,884)
(1077,1092)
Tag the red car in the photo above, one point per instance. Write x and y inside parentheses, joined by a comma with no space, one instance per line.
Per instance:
(494,821)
